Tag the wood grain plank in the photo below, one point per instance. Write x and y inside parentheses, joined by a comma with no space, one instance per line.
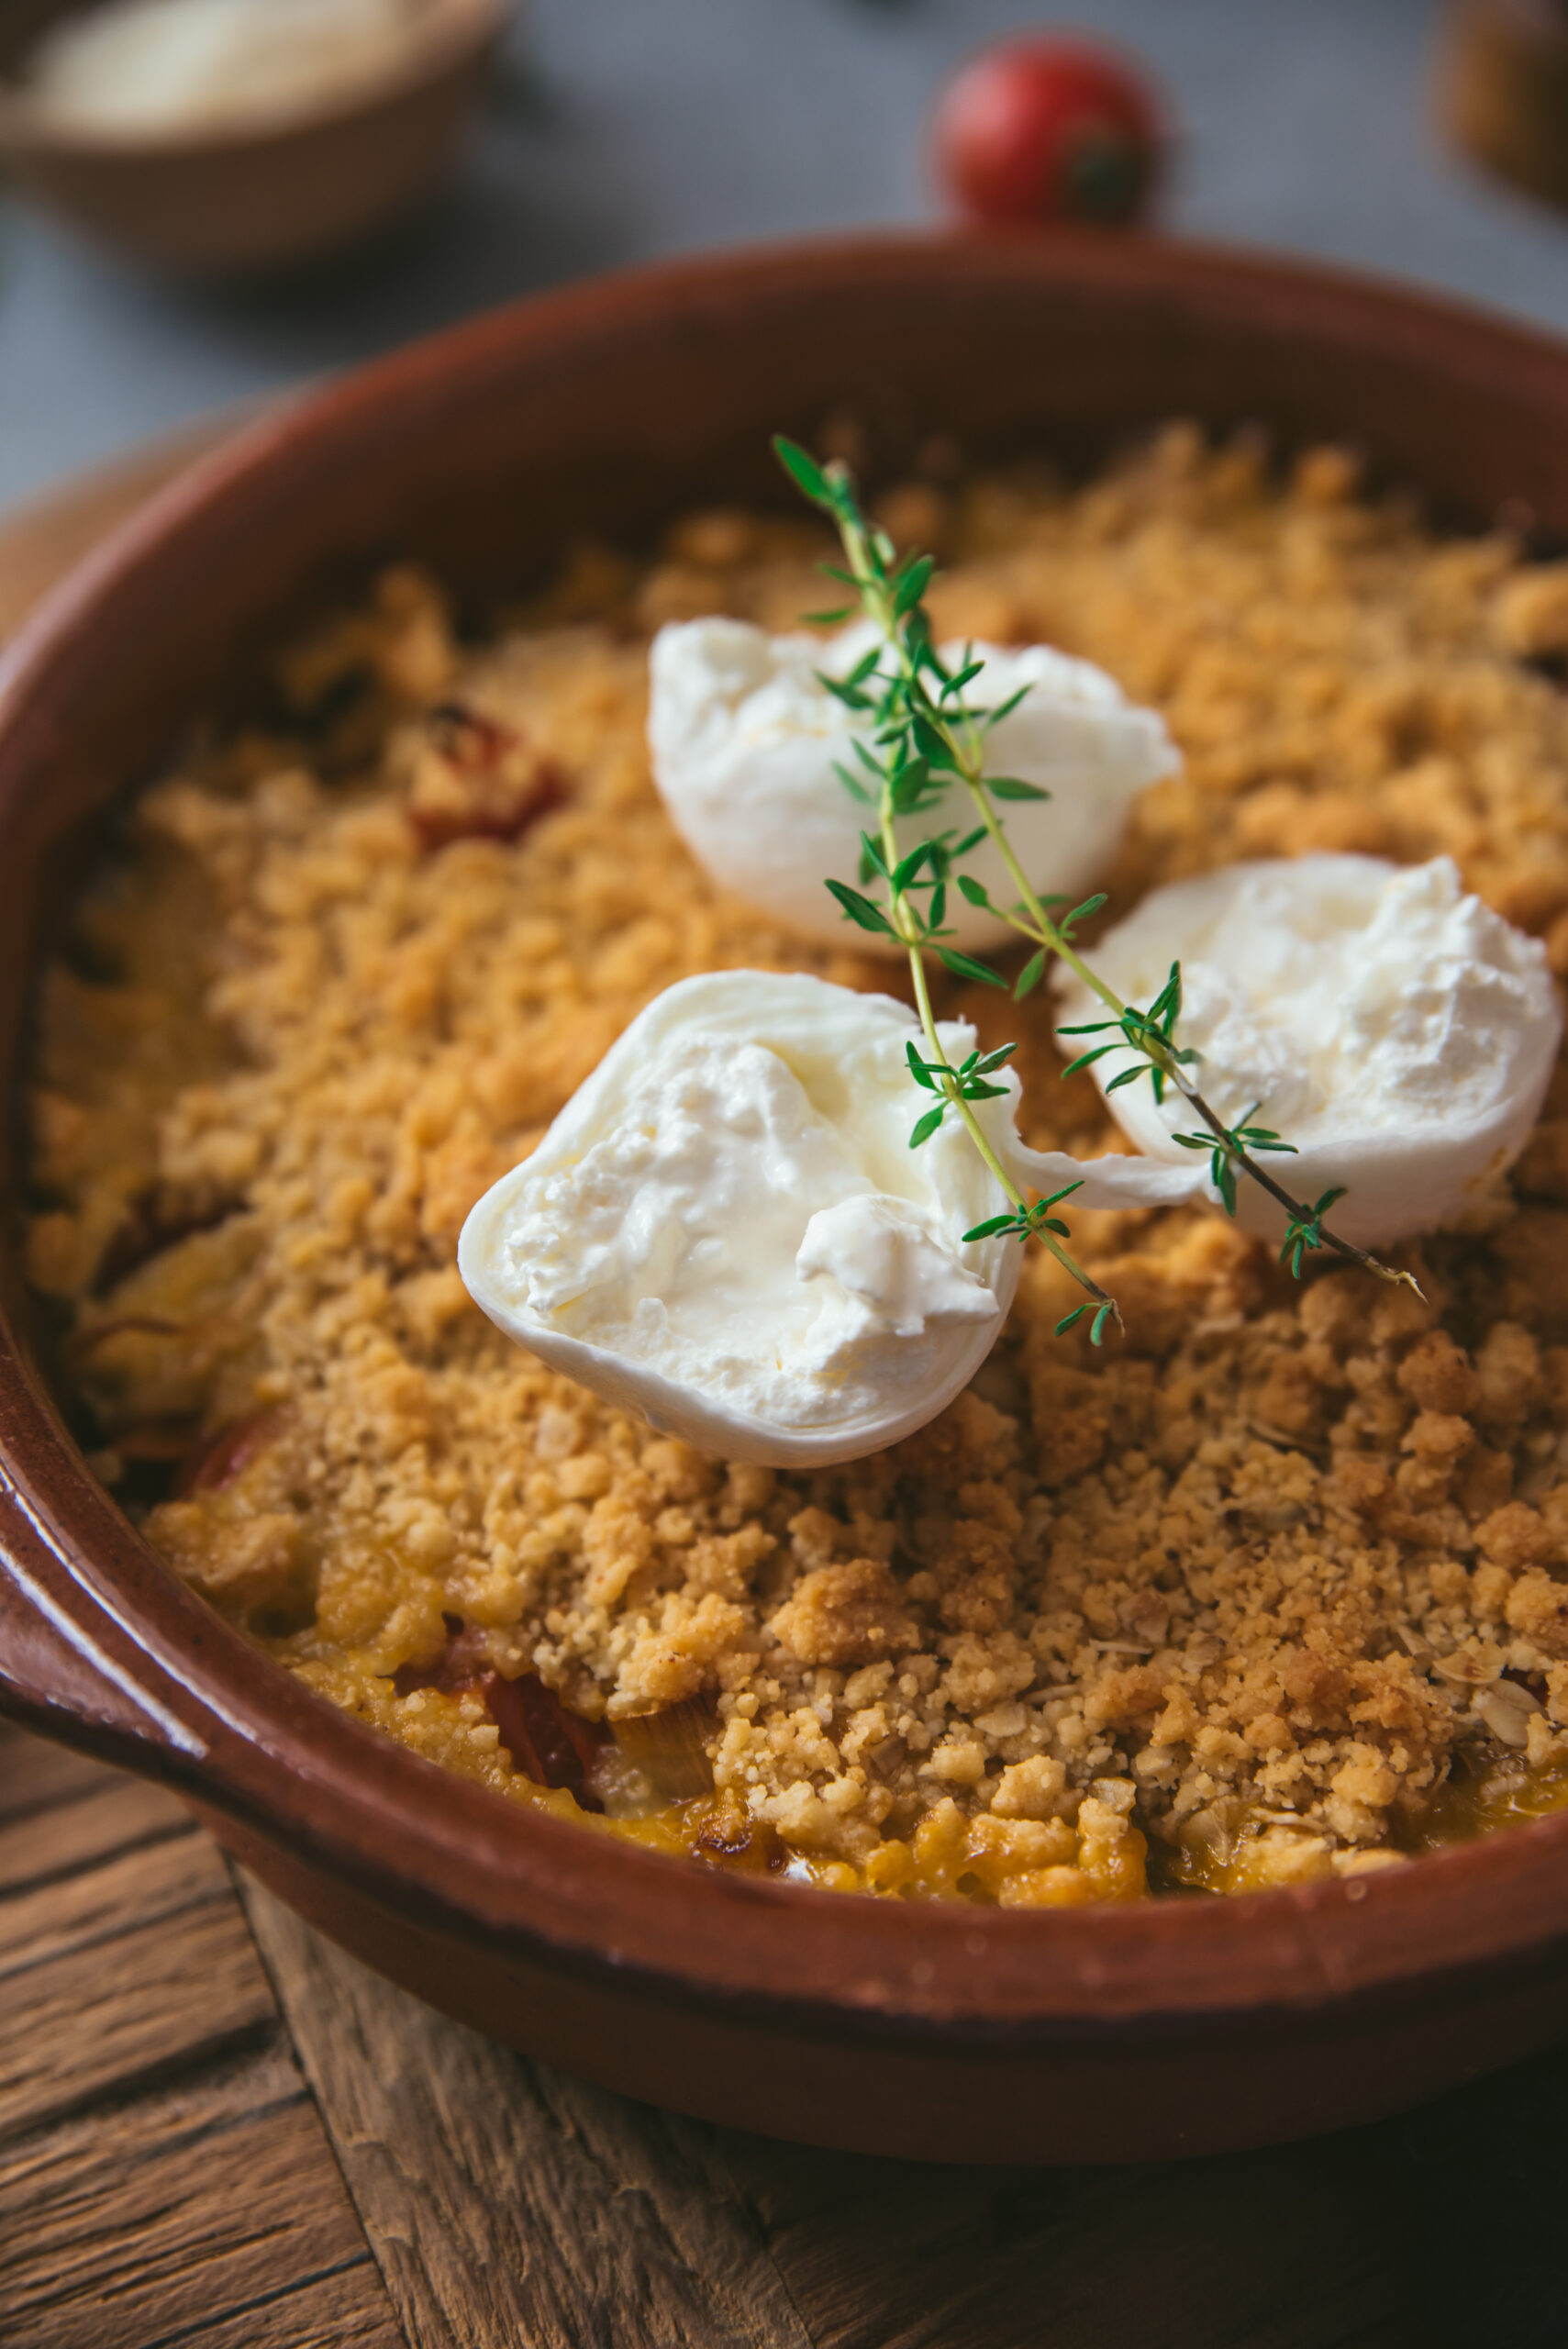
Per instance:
(884,2256)
(346,2310)
(163,1879)
(159,1996)
(34,1773)
(120,1815)
(164,2175)
(506,2203)
(183,2211)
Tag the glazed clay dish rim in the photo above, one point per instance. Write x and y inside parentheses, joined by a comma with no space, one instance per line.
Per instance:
(155,1677)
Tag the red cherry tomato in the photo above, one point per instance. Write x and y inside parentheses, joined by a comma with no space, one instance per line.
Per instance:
(1040,128)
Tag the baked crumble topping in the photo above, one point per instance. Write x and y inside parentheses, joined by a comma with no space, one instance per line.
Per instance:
(1276,1586)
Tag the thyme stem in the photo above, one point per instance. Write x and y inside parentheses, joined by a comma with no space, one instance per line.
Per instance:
(905,923)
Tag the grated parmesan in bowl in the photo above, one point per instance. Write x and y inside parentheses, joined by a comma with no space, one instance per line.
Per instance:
(151,70)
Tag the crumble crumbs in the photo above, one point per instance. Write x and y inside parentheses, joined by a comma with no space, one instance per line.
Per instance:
(1275,1586)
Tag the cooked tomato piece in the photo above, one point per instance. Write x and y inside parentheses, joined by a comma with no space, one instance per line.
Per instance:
(550,1745)
(478,779)
(554,1746)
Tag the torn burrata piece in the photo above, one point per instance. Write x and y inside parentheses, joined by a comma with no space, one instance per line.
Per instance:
(746,743)
(727,1230)
(1395,1029)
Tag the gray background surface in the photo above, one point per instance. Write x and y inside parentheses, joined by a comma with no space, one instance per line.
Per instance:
(627,128)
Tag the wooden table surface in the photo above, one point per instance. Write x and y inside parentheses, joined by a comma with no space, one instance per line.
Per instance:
(218,2130)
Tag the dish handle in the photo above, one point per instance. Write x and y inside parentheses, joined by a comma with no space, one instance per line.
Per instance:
(68,1669)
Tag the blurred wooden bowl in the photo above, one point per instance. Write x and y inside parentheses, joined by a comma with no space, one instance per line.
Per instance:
(246,198)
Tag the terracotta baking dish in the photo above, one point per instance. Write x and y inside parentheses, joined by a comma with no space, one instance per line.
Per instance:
(962,2033)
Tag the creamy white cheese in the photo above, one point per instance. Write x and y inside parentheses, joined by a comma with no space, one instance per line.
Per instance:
(727,1230)
(745,740)
(1397,1030)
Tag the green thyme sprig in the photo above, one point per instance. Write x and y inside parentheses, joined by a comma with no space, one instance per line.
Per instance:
(905,770)
(925,739)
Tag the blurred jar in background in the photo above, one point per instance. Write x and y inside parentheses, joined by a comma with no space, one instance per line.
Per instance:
(1502,90)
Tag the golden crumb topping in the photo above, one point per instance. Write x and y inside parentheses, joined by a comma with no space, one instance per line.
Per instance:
(1276,1585)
